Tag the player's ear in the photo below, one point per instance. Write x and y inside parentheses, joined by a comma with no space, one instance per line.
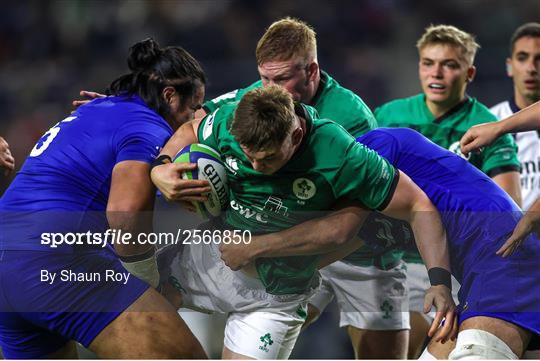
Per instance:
(313,70)
(297,136)
(471,72)
(509,71)
(168,93)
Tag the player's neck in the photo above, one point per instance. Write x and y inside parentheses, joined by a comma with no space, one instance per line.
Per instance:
(522,101)
(439,109)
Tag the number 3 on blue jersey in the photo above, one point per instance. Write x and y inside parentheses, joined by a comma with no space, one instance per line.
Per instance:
(44,142)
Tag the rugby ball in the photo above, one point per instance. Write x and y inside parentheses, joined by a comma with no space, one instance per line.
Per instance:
(210,168)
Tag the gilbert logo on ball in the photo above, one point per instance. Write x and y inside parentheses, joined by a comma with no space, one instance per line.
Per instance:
(210,168)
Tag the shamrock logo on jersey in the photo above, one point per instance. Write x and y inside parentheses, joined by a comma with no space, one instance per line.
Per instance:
(303,188)
(232,164)
(267,340)
(387,307)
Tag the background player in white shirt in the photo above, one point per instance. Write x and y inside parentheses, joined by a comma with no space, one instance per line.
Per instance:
(523,66)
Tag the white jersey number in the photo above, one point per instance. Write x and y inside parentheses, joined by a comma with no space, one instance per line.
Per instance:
(47,138)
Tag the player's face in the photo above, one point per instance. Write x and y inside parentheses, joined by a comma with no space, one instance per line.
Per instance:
(183,110)
(269,161)
(294,75)
(272,159)
(524,68)
(444,74)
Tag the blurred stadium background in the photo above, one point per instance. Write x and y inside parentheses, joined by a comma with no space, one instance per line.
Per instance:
(49,50)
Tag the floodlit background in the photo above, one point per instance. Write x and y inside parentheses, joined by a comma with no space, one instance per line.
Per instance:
(49,50)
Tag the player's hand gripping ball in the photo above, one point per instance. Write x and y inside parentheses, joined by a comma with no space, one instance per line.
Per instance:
(210,168)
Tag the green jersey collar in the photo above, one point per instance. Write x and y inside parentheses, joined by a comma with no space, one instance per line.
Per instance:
(456,108)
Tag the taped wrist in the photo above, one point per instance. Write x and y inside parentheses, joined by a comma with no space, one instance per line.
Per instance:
(143,266)
(162,159)
(440,276)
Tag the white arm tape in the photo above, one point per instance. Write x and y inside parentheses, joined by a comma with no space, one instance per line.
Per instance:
(145,269)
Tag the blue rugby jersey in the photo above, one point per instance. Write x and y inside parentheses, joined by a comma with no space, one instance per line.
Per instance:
(64,183)
(472,206)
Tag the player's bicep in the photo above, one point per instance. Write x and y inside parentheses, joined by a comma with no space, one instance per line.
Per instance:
(130,204)
(405,198)
(131,188)
(510,183)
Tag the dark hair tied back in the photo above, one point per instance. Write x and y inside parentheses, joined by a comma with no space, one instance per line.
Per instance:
(143,55)
(154,68)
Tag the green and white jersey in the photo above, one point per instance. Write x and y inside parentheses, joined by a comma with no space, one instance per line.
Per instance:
(328,165)
(447,130)
(344,107)
(332,101)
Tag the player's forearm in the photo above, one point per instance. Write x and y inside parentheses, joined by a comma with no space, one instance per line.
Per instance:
(510,183)
(321,235)
(183,136)
(130,205)
(522,121)
(411,204)
(534,214)
(130,224)
(430,235)
(536,206)
(131,218)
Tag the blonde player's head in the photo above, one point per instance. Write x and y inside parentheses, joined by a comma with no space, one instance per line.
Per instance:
(287,56)
(445,66)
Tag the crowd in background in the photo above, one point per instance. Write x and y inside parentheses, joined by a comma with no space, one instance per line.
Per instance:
(49,50)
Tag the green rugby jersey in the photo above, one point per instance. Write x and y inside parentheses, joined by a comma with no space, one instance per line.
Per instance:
(332,101)
(447,130)
(328,165)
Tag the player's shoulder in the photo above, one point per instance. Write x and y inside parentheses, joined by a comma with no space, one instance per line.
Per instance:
(391,136)
(327,133)
(242,91)
(218,121)
(223,113)
(478,113)
(123,111)
(339,96)
(399,104)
